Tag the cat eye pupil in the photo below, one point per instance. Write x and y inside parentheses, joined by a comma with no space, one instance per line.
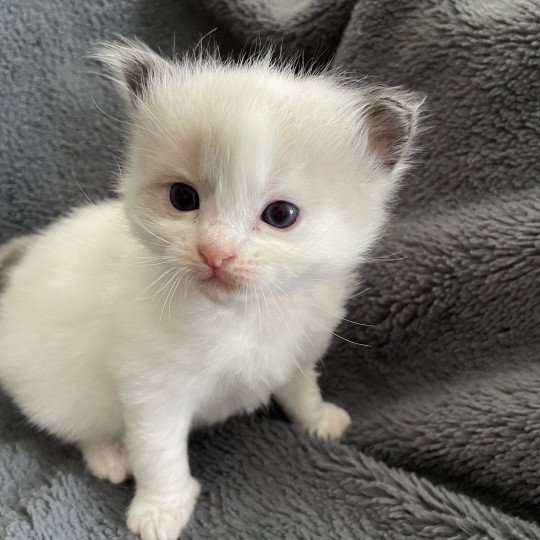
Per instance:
(184,197)
(280,214)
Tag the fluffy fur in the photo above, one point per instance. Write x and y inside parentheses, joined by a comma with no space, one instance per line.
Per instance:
(113,335)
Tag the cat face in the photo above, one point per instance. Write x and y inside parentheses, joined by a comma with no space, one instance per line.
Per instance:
(250,180)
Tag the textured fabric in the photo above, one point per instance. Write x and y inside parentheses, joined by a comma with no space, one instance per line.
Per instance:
(446,404)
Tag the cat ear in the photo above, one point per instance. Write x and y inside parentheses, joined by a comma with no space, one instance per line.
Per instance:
(389,117)
(134,66)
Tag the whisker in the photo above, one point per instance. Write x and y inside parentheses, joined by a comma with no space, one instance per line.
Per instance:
(382,259)
(259,313)
(174,291)
(168,294)
(139,222)
(236,299)
(283,318)
(188,280)
(328,330)
(84,192)
(144,241)
(153,263)
(343,318)
(337,335)
(166,272)
(359,293)
(153,257)
(264,297)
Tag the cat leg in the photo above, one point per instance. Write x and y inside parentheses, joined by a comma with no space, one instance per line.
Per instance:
(301,398)
(107,459)
(166,493)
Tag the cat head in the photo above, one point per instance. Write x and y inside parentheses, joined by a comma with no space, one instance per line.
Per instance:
(251,178)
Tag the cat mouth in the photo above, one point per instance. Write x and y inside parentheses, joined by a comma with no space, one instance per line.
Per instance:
(219,281)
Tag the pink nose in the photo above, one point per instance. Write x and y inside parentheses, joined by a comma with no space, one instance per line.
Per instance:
(214,256)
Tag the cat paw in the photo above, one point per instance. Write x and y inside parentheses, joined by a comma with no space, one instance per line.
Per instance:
(155,517)
(331,423)
(107,460)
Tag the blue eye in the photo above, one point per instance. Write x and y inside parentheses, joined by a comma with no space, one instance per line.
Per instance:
(280,214)
(184,197)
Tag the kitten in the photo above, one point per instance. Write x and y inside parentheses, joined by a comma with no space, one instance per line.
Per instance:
(248,198)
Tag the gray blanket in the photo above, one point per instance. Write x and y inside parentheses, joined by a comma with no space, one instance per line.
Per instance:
(446,401)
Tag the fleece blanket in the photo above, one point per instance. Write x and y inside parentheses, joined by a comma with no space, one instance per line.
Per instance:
(445,441)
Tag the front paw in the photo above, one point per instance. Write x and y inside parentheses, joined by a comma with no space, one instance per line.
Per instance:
(158,517)
(330,423)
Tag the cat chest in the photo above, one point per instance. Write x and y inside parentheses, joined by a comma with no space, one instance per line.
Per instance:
(242,374)
(252,356)
(254,359)
(246,349)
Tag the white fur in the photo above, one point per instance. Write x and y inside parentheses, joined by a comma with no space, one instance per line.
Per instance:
(109,336)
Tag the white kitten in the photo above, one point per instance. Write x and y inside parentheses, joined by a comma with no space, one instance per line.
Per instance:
(249,197)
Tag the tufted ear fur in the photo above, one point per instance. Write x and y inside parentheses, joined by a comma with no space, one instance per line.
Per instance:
(389,118)
(134,66)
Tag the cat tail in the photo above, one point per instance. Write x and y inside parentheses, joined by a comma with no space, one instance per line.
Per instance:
(10,254)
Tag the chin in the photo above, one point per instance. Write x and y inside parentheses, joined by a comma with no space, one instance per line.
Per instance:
(220,291)
(219,296)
